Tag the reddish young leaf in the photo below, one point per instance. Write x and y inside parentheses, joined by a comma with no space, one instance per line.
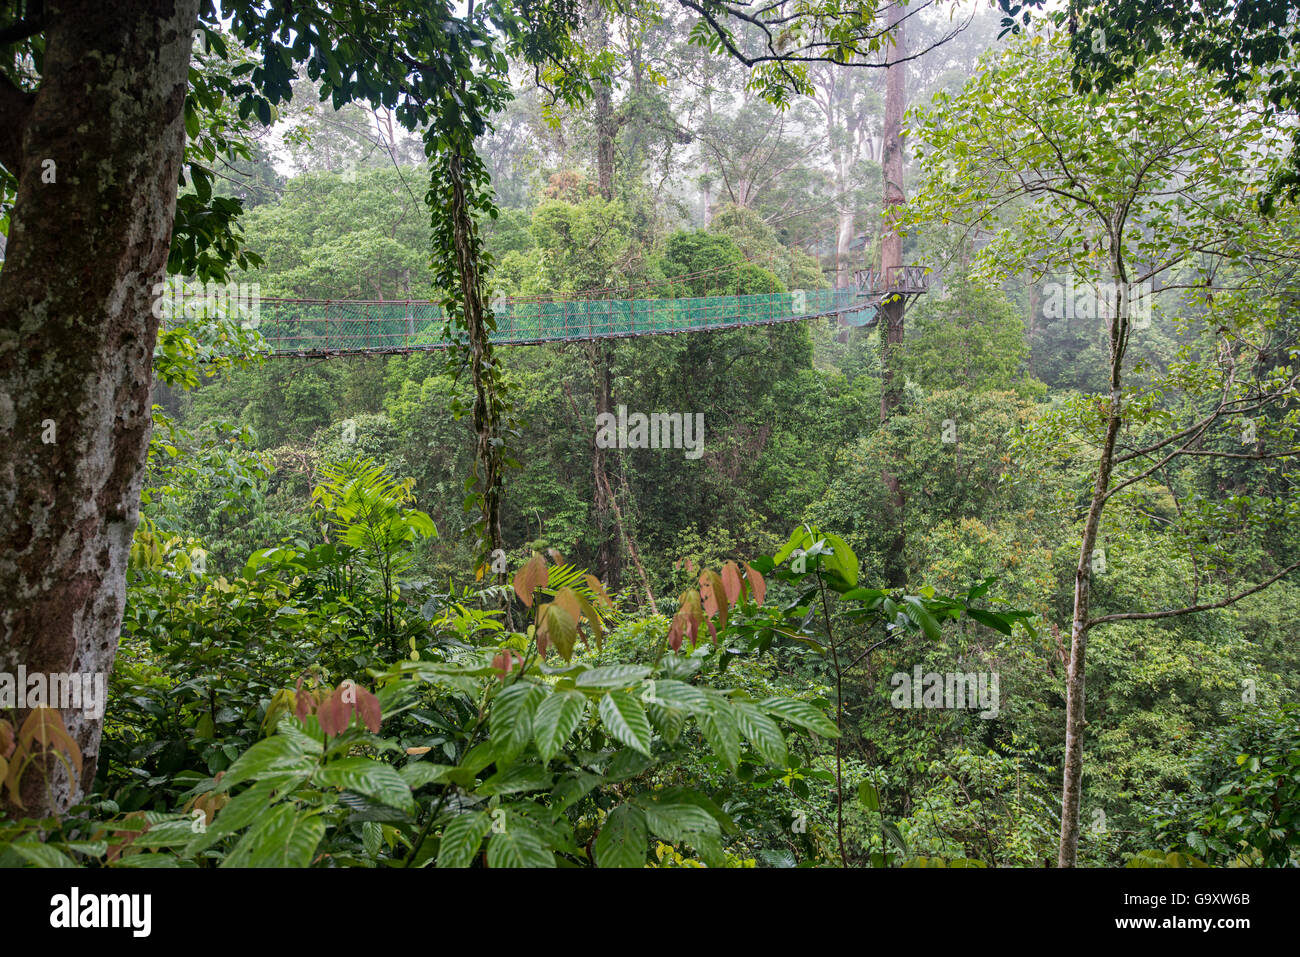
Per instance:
(529,578)
(714,596)
(675,633)
(731,582)
(304,704)
(369,710)
(504,662)
(756,584)
(598,589)
(692,615)
(7,740)
(559,625)
(334,715)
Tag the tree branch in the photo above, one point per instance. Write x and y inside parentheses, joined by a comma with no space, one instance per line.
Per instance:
(1190,609)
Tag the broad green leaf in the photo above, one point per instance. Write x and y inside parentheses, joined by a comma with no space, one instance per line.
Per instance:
(283,837)
(611,676)
(242,810)
(894,836)
(868,796)
(719,728)
(762,733)
(420,773)
(990,619)
(512,718)
(461,839)
(555,720)
(679,823)
(844,562)
(667,721)
(372,838)
(625,719)
(515,780)
(801,713)
(622,838)
(573,789)
(798,539)
(915,609)
(678,695)
(517,847)
(42,855)
(167,834)
(374,779)
(276,754)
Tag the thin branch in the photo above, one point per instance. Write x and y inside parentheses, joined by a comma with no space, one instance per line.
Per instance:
(1190,609)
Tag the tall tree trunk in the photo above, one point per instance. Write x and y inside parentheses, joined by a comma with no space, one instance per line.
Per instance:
(1075,722)
(891,256)
(608,559)
(1035,303)
(602,103)
(628,540)
(843,126)
(97,152)
(488,458)
(843,254)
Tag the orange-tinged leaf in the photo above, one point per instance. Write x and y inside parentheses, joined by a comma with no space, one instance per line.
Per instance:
(713,594)
(45,726)
(7,740)
(556,556)
(731,582)
(559,626)
(756,584)
(598,589)
(593,617)
(304,705)
(418,750)
(333,715)
(369,709)
(502,664)
(692,615)
(567,599)
(675,633)
(531,577)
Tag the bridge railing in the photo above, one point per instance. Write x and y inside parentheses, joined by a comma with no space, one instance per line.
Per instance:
(904,280)
(335,326)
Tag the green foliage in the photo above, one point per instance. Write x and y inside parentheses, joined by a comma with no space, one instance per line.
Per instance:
(1245,791)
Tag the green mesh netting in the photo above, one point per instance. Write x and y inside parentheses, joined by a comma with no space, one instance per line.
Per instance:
(296,327)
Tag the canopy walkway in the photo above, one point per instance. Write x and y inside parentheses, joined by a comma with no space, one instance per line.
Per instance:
(324,327)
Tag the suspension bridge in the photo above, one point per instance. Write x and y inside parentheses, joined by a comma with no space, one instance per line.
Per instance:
(332,327)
